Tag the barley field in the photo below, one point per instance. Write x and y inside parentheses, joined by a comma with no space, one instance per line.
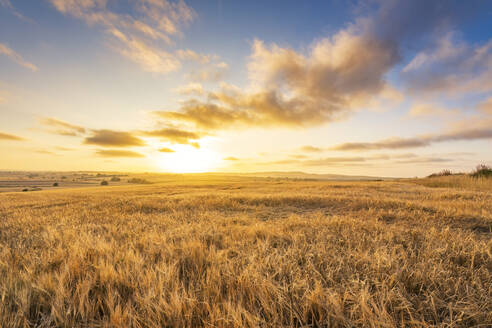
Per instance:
(210,251)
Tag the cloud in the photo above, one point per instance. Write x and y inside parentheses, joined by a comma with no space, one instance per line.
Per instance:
(451,66)
(109,138)
(332,160)
(311,149)
(326,161)
(425,160)
(156,19)
(64,148)
(166,15)
(390,143)
(486,106)
(329,80)
(206,116)
(282,162)
(473,129)
(405,155)
(6,136)
(166,150)
(45,152)
(210,73)
(340,161)
(118,153)
(388,98)
(323,85)
(331,76)
(7,4)
(429,110)
(222,65)
(191,89)
(61,127)
(149,58)
(5,50)
(175,136)
(189,54)
(297,156)
(139,34)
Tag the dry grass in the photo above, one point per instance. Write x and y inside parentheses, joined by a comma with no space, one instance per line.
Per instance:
(243,253)
(460,181)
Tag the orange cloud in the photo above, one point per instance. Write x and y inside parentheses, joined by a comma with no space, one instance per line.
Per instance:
(188,54)
(151,59)
(486,106)
(425,160)
(299,156)
(6,136)
(474,129)
(327,82)
(5,50)
(64,148)
(296,90)
(429,110)
(357,160)
(311,149)
(109,138)
(390,143)
(206,116)
(191,89)
(61,127)
(210,73)
(45,152)
(118,153)
(174,135)
(166,150)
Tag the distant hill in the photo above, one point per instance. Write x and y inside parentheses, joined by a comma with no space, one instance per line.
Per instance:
(312,176)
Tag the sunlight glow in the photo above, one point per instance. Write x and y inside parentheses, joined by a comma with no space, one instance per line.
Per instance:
(188,159)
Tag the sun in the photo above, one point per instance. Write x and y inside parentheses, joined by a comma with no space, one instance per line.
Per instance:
(187,159)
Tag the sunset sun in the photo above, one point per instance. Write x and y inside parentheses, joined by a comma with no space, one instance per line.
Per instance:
(188,159)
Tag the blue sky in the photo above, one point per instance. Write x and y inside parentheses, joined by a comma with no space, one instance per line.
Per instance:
(353,87)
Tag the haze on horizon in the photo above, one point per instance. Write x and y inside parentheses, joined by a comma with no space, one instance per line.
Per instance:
(374,87)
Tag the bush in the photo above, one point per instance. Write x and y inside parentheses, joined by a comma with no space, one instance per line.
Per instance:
(55,184)
(115,179)
(482,171)
(443,173)
(104,183)
(138,180)
(25,189)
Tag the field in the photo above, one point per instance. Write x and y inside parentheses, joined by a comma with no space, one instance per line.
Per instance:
(213,251)
(36,181)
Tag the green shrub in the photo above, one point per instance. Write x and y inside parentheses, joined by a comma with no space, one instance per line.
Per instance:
(104,183)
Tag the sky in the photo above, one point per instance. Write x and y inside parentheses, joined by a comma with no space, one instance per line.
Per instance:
(369,87)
